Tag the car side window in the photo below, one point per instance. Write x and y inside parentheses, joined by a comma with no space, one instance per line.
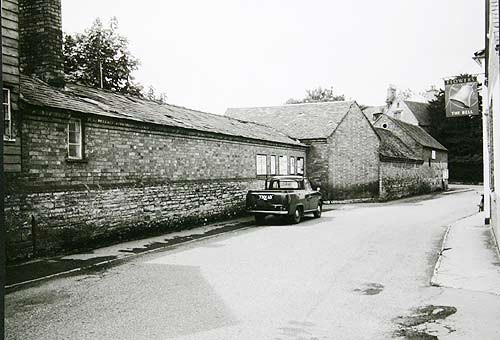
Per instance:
(307,185)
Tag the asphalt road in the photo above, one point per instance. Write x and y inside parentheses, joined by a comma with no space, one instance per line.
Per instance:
(359,272)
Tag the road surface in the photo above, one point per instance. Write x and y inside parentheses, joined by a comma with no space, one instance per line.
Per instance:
(361,271)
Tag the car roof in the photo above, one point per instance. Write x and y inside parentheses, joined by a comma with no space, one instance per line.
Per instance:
(286,177)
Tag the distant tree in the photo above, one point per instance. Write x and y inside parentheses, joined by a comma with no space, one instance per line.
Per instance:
(100,58)
(393,95)
(462,136)
(316,95)
(152,95)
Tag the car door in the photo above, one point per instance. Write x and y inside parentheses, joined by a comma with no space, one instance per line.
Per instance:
(312,196)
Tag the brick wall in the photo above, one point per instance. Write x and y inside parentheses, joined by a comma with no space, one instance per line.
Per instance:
(317,163)
(40,34)
(135,178)
(354,159)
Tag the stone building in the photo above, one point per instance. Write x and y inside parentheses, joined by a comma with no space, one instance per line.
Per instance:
(343,146)
(95,166)
(412,112)
(424,165)
(349,158)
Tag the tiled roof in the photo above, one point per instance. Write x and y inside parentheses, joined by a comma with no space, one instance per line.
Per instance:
(301,121)
(394,148)
(110,104)
(419,134)
(370,110)
(421,112)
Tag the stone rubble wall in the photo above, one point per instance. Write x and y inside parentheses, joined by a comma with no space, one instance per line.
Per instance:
(399,179)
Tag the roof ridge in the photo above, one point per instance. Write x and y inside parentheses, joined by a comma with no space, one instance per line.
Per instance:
(294,104)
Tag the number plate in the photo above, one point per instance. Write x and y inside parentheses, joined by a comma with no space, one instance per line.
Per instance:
(265,197)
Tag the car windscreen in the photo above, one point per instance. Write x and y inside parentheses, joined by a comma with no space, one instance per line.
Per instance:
(284,184)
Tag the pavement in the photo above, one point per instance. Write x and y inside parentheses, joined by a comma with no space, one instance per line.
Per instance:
(469,257)
(26,273)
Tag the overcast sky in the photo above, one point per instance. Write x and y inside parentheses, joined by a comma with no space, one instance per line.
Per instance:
(210,55)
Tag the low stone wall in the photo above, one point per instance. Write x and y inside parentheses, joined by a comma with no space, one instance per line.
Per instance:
(401,179)
(82,217)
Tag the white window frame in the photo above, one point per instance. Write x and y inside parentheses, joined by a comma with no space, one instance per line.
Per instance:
(273,165)
(301,161)
(7,133)
(292,165)
(433,154)
(79,144)
(261,164)
(283,165)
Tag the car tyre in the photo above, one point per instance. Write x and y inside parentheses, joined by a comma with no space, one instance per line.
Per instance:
(318,211)
(260,218)
(297,216)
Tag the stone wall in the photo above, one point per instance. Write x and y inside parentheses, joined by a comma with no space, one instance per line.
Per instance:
(401,179)
(134,178)
(88,216)
(354,159)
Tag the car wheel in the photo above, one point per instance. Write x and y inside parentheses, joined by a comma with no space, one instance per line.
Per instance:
(297,216)
(318,211)
(260,218)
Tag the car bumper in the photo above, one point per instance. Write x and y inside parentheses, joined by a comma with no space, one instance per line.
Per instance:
(268,212)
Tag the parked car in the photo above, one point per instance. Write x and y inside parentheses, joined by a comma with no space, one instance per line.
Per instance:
(287,196)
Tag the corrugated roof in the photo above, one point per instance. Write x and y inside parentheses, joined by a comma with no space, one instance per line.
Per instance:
(301,121)
(419,134)
(110,104)
(393,147)
(421,112)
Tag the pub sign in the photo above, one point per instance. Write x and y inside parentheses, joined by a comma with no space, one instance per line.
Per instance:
(461,97)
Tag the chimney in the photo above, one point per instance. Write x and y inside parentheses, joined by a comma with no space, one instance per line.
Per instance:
(40,40)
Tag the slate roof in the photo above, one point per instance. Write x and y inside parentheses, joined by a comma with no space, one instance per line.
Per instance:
(301,121)
(110,104)
(421,112)
(394,148)
(370,110)
(418,134)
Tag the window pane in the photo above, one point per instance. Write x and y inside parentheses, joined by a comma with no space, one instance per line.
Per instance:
(273,165)
(72,138)
(300,166)
(73,151)
(283,164)
(292,165)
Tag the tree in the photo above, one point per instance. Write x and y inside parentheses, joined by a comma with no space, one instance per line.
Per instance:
(152,95)
(462,136)
(100,58)
(393,95)
(316,95)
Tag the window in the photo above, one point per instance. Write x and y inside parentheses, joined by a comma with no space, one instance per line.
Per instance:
(273,165)
(75,139)
(283,164)
(292,165)
(300,165)
(433,154)
(285,184)
(7,114)
(261,165)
